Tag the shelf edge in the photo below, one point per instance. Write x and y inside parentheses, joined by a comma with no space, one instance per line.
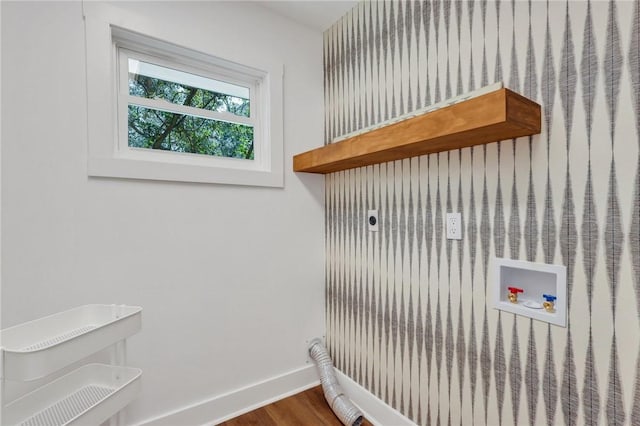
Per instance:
(502,114)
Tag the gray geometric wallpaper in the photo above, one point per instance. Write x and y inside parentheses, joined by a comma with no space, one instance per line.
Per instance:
(409,314)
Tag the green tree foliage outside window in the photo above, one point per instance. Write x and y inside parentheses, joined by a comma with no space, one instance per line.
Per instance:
(156,129)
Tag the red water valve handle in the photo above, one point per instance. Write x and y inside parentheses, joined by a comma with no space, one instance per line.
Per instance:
(515,290)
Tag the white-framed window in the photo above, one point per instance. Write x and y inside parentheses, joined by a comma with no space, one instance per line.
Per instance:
(161,111)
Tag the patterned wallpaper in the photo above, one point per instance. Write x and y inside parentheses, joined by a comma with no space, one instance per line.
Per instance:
(409,314)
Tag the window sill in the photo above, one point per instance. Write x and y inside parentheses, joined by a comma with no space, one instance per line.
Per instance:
(151,170)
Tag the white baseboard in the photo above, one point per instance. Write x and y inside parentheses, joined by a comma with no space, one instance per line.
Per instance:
(375,411)
(223,407)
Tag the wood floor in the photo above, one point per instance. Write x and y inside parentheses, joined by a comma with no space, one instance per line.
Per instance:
(307,408)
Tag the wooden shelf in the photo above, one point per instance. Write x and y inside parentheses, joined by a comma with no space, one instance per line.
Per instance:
(492,117)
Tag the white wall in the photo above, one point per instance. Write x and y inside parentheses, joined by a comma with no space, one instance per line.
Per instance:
(231,278)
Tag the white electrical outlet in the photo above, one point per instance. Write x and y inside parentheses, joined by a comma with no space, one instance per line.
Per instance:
(454,226)
(372,220)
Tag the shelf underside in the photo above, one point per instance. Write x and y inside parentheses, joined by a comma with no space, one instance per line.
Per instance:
(492,117)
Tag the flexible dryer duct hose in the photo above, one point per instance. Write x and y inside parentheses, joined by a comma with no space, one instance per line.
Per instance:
(341,405)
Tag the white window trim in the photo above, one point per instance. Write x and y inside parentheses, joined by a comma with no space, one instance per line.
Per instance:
(108,151)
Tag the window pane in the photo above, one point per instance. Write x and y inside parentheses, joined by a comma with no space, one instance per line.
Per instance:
(155,82)
(154,129)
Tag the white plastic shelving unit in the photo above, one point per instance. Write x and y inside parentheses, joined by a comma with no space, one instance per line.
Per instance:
(88,395)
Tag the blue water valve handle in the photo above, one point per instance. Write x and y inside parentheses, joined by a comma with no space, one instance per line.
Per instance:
(549,297)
